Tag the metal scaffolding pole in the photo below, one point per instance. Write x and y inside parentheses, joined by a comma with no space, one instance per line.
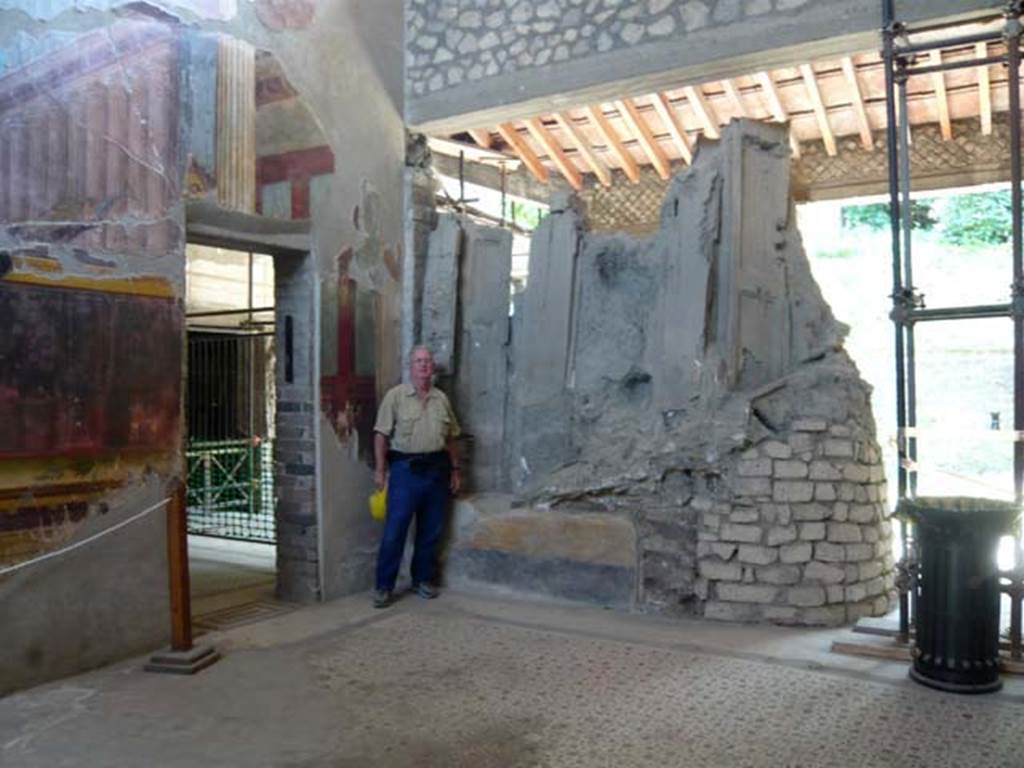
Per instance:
(1013,36)
(889,32)
(908,307)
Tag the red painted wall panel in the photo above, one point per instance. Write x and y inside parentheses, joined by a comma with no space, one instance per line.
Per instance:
(86,372)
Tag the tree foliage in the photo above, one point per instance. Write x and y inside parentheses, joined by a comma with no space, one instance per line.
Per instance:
(875,216)
(978,219)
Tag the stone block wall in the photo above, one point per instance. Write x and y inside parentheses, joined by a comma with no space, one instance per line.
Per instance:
(449,43)
(802,533)
(536,50)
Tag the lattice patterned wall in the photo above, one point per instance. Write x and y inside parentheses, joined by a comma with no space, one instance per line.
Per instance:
(970,158)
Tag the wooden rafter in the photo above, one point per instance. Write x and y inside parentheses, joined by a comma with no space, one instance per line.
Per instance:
(811,83)
(703,110)
(508,132)
(857,101)
(554,152)
(583,147)
(626,161)
(941,100)
(480,136)
(670,118)
(771,93)
(984,90)
(734,96)
(642,131)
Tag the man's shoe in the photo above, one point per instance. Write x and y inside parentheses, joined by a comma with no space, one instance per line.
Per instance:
(381,598)
(426,591)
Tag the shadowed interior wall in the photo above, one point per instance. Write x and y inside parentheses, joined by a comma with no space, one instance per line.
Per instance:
(106,119)
(91,279)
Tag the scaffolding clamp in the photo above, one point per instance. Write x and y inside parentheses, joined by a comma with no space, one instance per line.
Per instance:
(905,302)
(1017,298)
(1013,12)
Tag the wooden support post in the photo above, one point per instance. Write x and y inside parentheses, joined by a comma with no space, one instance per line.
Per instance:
(675,126)
(984,90)
(635,122)
(941,99)
(820,110)
(182,658)
(701,108)
(626,162)
(857,102)
(177,562)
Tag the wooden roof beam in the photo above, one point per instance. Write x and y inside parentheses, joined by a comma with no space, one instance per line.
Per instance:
(857,100)
(771,94)
(583,147)
(626,161)
(670,118)
(481,136)
(735,97)
(984,90)
(554,152)
(811,83)
(508,132)
(703,110)
(941,99)
(642,131)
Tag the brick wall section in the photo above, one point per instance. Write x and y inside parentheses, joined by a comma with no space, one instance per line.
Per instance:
(802,532)
(452,42)
(295,450)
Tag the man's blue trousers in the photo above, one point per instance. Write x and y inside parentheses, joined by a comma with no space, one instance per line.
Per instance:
(422,495)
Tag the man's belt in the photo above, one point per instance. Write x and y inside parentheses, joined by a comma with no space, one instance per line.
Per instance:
(421,463)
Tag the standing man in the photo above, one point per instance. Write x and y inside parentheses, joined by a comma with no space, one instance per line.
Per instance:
(414,449)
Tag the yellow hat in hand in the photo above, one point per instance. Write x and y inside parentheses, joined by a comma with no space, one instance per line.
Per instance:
(379,503)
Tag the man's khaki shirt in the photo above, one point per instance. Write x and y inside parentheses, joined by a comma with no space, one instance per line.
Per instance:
(412,426)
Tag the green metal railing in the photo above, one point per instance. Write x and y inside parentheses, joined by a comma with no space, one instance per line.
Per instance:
(230,489)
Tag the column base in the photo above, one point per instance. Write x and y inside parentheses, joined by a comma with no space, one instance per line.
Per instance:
(188,662)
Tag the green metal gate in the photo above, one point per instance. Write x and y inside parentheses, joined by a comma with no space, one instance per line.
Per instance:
(229,452)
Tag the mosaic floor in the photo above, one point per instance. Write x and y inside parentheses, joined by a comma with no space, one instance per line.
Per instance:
(435,684)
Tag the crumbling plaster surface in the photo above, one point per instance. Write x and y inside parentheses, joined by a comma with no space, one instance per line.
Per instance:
(691,385)
(478,62)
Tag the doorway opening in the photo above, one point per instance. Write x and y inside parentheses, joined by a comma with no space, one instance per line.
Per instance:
(230,408)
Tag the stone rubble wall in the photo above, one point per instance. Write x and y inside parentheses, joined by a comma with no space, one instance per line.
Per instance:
(802,534)
(451,42)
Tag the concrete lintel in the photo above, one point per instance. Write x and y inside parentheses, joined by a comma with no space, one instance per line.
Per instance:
(820,30)
(208,223)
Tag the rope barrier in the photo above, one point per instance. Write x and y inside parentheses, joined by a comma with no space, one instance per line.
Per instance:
(83,542)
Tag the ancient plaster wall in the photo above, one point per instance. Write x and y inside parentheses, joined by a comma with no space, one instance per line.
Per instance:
(91,274)
(692,388)
(465,57)
(107,118)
